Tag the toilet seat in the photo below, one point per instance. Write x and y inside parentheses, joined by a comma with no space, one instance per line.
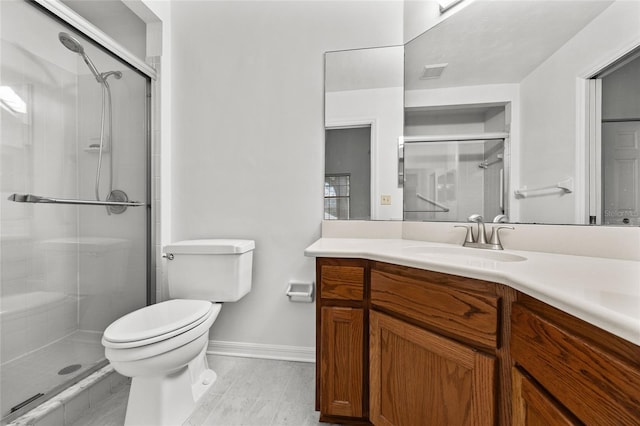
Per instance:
(134,351)
(157,322)
(173,328)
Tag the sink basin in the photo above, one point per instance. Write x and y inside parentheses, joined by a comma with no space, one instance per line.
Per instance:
(464,253)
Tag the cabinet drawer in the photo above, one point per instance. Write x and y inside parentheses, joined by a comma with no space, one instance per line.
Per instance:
(341,282)
(456,312)
(593,384)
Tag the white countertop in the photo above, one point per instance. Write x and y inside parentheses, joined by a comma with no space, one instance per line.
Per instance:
(603,292)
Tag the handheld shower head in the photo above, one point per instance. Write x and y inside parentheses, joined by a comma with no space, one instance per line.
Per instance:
(70,43)
(74,45)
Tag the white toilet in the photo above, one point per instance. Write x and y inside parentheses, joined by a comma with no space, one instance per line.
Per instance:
(162,347)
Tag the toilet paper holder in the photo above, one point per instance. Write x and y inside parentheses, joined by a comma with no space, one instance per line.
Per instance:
(300,292)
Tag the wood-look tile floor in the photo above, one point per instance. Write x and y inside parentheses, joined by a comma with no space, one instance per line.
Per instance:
(251,392)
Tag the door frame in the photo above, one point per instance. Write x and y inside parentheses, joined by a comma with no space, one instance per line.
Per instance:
(589,134)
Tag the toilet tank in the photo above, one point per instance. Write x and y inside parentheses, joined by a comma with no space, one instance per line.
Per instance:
(216,270)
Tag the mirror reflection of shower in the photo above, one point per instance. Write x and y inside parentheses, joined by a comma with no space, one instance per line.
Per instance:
(106,122)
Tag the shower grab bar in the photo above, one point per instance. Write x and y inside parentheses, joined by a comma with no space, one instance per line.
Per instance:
(30,198)
(435,203)
(565,187)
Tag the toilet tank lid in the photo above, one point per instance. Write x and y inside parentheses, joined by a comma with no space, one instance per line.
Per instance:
(210,246)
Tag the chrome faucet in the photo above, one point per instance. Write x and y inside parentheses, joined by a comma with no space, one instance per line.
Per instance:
(481,240)
(501,218)
(482,234)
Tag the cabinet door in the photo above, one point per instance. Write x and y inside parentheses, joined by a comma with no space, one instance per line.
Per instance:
(420,378)
(596,386)
(532,406)
(341,361)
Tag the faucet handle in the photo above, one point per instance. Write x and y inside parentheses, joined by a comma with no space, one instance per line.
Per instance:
(495,235)
(469,237)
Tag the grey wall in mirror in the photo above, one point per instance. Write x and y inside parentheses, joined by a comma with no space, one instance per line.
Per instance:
(560,78)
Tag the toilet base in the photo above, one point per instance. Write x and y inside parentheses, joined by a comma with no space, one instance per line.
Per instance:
(169,399)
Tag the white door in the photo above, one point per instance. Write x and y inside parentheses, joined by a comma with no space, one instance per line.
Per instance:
(620,173)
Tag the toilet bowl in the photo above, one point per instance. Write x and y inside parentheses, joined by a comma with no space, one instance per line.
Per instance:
(162,347)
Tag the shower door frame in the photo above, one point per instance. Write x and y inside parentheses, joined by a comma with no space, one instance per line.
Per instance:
(69,18)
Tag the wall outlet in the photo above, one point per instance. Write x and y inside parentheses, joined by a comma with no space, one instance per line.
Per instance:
(385,200)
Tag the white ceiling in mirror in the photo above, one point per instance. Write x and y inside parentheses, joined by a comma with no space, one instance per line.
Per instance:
(489,37)
(363,69)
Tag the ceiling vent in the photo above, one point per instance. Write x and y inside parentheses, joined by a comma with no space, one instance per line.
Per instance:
(432,71)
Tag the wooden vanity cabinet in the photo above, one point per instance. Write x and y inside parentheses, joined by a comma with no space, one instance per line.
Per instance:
(341,338)
(404,346)
(570,372)
(533,406)
(421,378)
(433,349)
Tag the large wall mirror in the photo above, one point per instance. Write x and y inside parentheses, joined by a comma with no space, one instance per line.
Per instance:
(526,111)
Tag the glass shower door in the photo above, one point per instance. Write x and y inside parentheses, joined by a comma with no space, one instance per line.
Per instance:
(450,180)
(73,247)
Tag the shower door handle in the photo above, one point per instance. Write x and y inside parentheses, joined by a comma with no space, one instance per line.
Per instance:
(400,162)
(30,198)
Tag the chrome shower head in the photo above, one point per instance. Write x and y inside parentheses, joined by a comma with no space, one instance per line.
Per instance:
(71,43)
(74,45)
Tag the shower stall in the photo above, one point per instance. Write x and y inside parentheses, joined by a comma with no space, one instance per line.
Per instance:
(75,211)
(454,161)
(445,179)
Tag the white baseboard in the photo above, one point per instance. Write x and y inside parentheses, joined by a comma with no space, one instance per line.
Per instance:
(260,350)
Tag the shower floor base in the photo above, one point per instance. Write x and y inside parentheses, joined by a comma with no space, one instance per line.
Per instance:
(37,371)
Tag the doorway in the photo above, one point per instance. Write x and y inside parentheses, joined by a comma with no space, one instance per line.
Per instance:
(619,162)
(348,173)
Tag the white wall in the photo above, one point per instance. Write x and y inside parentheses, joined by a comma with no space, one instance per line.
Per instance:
(247,140)
(551,138)
(383,107)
